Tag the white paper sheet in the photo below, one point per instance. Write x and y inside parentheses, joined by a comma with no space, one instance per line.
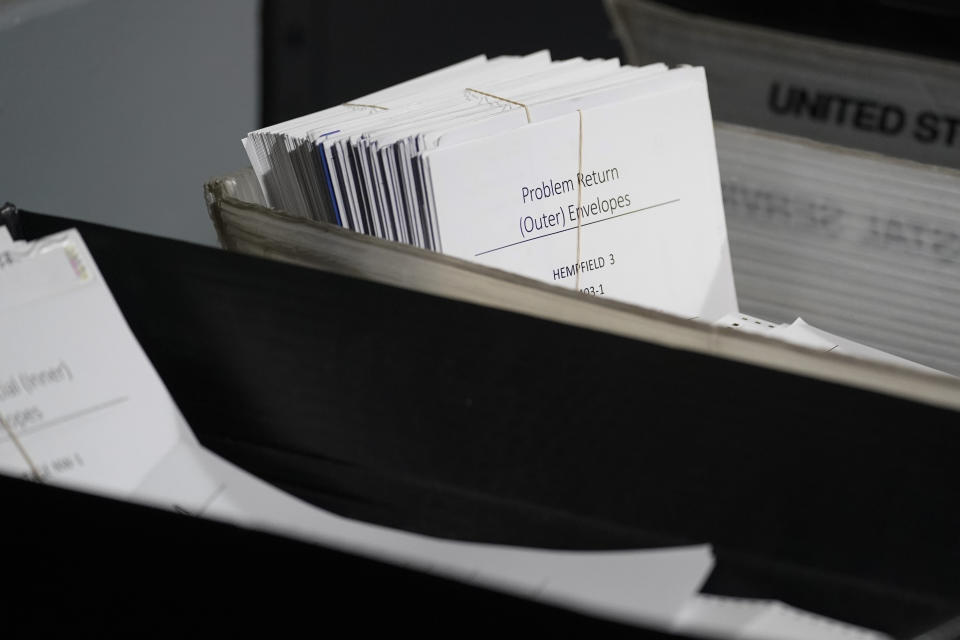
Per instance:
(802,334)
(799,332)
(76,390)
(647,586)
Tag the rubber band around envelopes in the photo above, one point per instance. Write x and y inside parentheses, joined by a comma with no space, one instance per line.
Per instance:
(19,445)
(526,110)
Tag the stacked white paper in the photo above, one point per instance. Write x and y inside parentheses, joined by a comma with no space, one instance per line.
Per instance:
(582,173)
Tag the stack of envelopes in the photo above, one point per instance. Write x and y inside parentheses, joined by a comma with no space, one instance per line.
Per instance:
(582,173)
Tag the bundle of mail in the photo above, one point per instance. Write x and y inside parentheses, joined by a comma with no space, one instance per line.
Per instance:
(586,174)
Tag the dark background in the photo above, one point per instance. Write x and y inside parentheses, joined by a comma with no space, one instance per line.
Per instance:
(316,54)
